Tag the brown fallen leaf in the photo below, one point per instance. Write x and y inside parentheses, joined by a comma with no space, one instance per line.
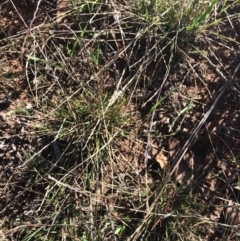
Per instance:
(61,9)
(161,159)
(182,173)
(232,214)
(173,144)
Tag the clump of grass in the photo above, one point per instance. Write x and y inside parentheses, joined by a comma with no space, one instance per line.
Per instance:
(90,89)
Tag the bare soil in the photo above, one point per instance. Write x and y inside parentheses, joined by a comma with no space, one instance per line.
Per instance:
(212,161)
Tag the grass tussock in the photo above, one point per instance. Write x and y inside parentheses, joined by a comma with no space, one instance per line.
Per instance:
(113,104)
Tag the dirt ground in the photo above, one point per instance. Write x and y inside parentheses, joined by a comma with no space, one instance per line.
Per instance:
(212,160)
